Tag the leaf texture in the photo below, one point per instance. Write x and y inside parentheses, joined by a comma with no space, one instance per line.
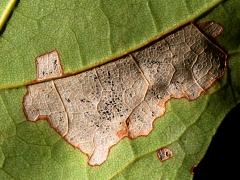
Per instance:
(35,150)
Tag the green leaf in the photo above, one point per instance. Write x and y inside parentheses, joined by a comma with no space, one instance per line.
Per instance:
(88,33)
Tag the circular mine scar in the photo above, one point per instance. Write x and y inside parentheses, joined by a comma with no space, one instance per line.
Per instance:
(164,154)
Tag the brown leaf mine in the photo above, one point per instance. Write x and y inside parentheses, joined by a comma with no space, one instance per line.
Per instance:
(90,109)
(164,154)
(183,64)
(48,66)
(94,110)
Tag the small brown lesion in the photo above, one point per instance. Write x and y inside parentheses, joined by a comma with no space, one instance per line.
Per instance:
(193,169)
(164,154)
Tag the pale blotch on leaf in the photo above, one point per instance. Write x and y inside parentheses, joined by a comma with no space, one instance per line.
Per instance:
(48,66)
(94,110)
(164,154)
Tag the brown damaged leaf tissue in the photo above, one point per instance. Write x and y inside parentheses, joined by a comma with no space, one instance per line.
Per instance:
(95,109)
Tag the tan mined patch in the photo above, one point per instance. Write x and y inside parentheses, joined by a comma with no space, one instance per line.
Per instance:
(90,108)
(164,154)
(183,64)
(94,110)
(48,66)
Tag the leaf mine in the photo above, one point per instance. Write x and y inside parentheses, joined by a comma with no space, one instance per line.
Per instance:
(94,110)
(48,66)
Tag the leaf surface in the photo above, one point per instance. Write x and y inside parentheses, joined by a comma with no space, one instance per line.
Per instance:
(36,150)
(85,33)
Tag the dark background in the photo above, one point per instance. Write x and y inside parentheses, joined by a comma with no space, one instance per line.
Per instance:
(222,160)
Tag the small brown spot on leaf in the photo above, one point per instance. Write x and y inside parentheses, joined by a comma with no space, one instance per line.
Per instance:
(193,169)
(164,154)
